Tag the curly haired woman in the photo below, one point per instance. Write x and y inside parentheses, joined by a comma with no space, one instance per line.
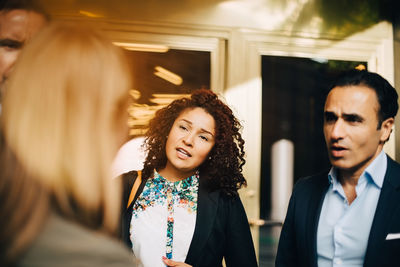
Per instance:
(187,211)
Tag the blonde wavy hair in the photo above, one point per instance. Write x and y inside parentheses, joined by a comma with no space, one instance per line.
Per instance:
(64,115)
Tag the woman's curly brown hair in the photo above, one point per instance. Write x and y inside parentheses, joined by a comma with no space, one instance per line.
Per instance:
(223,166)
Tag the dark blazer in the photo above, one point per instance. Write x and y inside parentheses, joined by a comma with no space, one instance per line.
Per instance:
(298,241)
(221,231)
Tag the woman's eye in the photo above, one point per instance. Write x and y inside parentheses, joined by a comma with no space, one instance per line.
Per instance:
(204,138)
(182,127)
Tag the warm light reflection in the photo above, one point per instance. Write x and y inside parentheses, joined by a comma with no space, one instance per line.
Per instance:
(141,114)
(168,75)
(135,94)
(360,67)
(280,16)
(143,47)
(165,99)
(90,14)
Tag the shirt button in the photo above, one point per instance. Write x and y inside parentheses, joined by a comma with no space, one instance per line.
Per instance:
(339,229)
(338,261)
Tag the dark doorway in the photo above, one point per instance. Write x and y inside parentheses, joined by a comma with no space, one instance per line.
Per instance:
(293,96)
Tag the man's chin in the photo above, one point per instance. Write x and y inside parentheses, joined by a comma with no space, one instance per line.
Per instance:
(338,162)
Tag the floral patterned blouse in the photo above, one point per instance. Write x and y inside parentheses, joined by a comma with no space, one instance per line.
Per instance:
(163,220)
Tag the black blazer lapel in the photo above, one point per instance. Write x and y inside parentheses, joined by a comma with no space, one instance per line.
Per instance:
(388,202)
(206,212)
(314,211)
(128,179)
(297,244)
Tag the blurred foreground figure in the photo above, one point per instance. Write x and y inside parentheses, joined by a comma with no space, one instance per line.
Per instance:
(349,215)
(20,20)
(64,117)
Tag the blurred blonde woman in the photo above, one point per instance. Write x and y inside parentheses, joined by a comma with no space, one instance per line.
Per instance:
(64,116)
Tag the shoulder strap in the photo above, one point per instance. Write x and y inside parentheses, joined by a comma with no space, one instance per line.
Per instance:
(135,187)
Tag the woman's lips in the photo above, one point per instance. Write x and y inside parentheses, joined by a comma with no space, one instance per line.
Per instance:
(182,153)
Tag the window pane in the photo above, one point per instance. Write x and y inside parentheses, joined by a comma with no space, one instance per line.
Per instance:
(161,77)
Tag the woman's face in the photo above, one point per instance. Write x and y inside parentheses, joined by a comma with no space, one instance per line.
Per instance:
(189,142)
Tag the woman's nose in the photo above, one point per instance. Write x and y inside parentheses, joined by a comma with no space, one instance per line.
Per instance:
(188,139)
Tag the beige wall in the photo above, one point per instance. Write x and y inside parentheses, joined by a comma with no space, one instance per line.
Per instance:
(290,16)
(239,32)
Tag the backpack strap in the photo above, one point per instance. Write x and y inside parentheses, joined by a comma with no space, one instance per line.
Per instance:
(135,187)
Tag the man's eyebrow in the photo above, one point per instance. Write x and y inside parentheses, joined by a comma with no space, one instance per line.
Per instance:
(10,43)
(329,113)
(353,117)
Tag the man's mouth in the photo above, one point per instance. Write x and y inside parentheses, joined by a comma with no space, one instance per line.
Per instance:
(338,151)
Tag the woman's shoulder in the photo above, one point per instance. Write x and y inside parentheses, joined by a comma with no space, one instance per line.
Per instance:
(224,198)
(127,181)
(226,190)
(65,243)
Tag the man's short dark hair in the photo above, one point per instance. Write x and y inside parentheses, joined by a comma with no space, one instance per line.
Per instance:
(385,92)
(29,5)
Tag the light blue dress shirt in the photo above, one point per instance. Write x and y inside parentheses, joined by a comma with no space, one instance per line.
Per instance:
(343,229)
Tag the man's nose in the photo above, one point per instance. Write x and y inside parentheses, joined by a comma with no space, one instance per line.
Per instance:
(338,130)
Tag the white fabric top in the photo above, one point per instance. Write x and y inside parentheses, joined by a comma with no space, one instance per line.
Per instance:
(130,157)
(163,220)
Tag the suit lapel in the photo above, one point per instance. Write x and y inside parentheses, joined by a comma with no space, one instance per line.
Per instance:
(388,201)
(315,205)
(206,211)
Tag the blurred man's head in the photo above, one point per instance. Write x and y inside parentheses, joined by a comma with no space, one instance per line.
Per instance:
(20,20)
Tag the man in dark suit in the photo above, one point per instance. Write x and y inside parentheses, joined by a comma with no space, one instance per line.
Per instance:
(349,215)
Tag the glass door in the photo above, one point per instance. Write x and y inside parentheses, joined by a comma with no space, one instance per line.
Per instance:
(293,96)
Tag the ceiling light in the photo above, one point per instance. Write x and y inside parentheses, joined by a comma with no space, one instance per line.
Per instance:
(143,47)
(168,75)
(90,14)
(360,67)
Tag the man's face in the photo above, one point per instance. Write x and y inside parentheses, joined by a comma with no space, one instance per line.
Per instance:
(350,128)
(16,27)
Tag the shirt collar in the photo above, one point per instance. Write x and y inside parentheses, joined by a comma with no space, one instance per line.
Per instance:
(375,171)
(186,184)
